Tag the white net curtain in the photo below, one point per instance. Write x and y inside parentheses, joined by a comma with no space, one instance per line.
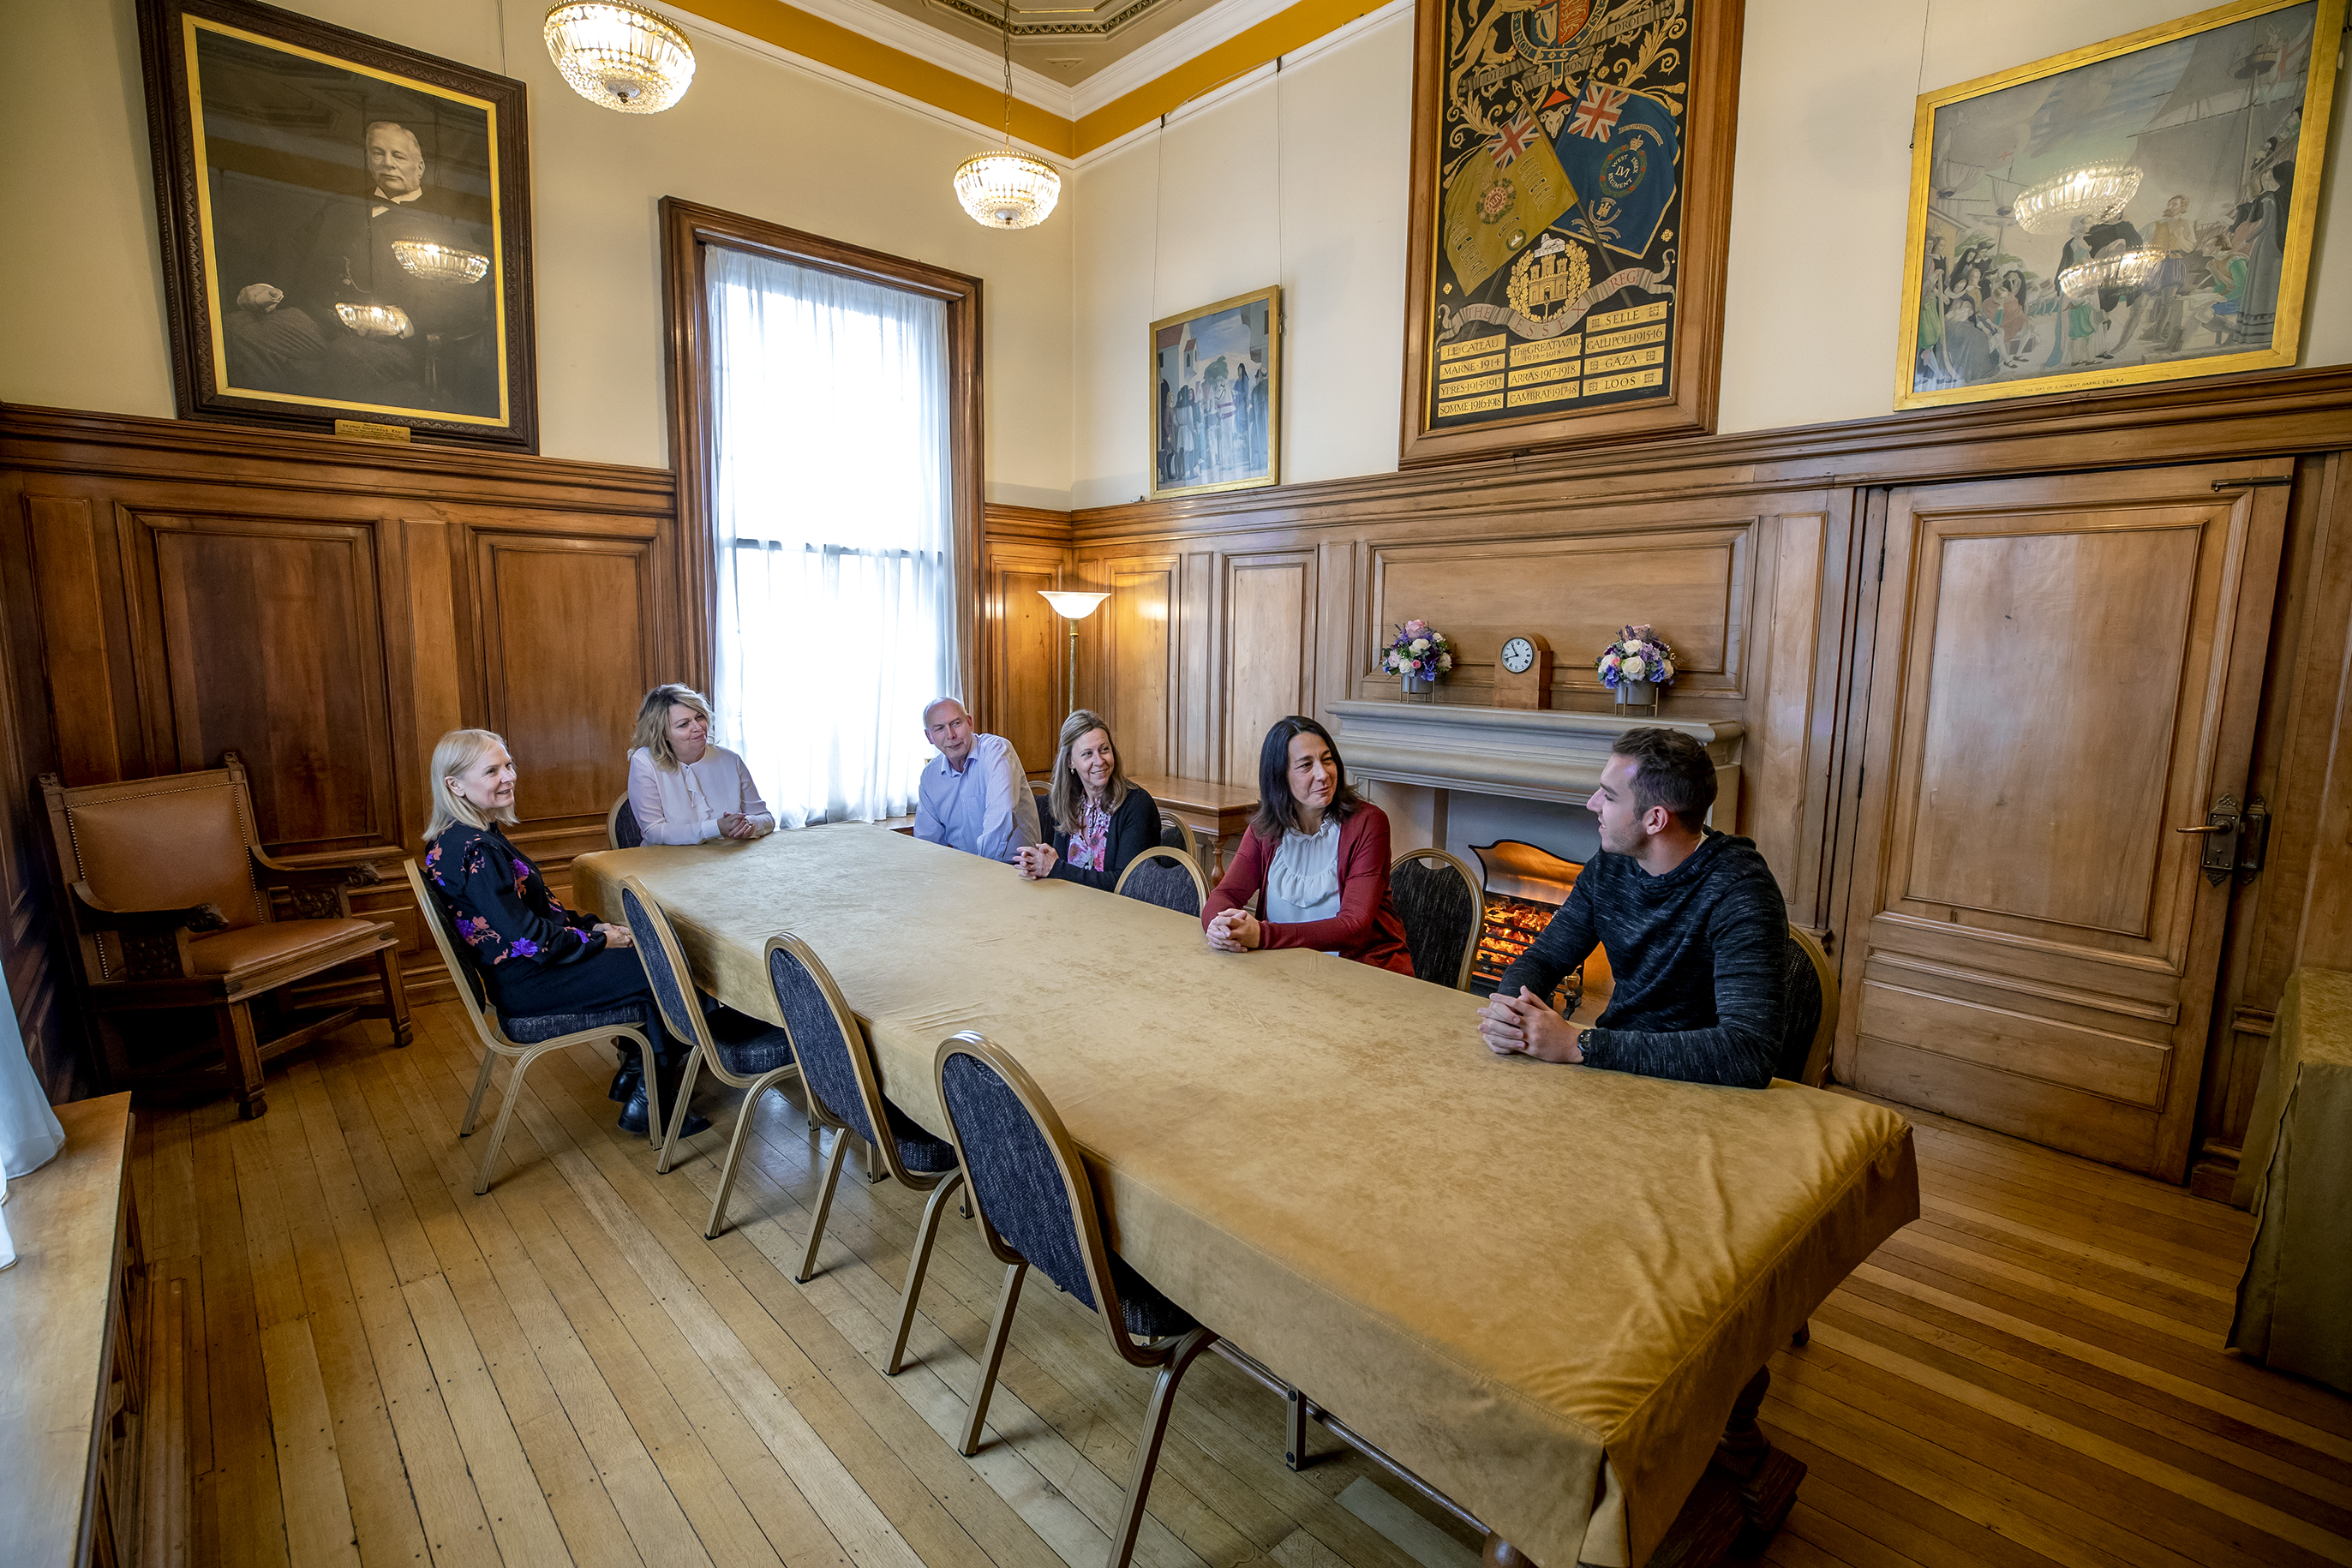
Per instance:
(834,533)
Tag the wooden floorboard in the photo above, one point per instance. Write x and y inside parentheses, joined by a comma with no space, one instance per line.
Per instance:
(357,1360)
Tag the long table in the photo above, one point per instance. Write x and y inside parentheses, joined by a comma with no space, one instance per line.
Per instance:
(1540,1288)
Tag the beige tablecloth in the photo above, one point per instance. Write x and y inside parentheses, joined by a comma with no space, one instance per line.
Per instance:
(2295,1304)
(1540,1288)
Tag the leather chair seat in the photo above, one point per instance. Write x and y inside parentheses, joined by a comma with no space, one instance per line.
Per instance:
(230,953)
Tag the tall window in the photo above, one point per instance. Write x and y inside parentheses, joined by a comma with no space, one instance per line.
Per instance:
(832,500)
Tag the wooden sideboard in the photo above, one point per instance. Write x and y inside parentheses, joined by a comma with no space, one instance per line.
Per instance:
(71,1311)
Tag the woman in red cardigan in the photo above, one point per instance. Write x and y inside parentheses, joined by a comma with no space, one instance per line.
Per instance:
(1319,854)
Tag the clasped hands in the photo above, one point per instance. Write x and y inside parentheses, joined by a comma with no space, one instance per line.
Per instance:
(1526,1025)
(616,936)
(1235,930)
(1036,861)
(735,825)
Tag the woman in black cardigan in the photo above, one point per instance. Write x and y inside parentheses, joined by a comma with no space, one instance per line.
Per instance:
(1100,820)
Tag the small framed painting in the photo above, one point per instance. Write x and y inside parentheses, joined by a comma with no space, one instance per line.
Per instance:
(1216,397)
(346,227)
(2138,210)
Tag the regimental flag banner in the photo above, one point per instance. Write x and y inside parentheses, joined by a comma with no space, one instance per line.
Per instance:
(1561,177)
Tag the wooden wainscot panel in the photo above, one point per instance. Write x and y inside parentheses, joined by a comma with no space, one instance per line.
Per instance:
(1577,590)
(1025,648)
(566,656)
(1269,602)
(1141,675)
(73,632)
(2066,675)
(267,639)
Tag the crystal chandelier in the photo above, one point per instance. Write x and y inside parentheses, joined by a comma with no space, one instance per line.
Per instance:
(2125,269)
(2096,192)
(1007,189)
(619,55)
(440,263)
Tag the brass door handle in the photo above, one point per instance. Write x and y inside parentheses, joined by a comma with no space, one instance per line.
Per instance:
(2209,828)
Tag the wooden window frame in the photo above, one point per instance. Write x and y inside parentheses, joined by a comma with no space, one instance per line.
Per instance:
(688,230)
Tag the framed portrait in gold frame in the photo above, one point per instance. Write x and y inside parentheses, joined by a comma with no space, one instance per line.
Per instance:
(1215,397)
(2138,210)
(345,227)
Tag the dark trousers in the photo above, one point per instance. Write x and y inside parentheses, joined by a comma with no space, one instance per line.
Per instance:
(601,979)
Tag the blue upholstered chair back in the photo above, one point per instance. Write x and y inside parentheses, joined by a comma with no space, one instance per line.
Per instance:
(1160,882)
(1438,904)
(671,989)
(627,834)
(818,1041)
(1014,1174)
(439,908)
(1801,1012)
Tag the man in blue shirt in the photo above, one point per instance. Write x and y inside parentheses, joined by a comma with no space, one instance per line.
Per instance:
(974,795)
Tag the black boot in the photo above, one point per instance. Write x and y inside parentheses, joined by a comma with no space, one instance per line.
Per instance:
(633,1115)
(625,1081)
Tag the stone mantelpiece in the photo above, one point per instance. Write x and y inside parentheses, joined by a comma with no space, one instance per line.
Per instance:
(1512,752)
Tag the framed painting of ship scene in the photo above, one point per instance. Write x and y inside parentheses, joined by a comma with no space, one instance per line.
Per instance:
(1216,397)
(2139,210)
(1571,203)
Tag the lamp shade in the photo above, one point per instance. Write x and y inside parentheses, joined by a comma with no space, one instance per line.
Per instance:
(619,55)
(1076,607)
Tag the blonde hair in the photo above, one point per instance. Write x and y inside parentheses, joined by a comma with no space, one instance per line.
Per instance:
(1067,793)
(653,720)
(452,753)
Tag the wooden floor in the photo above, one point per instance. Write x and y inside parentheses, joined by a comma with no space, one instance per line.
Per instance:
(375,1366)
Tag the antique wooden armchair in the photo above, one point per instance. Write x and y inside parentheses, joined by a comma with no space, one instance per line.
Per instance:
(173,905)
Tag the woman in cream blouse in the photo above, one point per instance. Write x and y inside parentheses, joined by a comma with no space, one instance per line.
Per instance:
(683,789)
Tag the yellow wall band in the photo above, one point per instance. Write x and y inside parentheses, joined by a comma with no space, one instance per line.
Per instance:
(829,43)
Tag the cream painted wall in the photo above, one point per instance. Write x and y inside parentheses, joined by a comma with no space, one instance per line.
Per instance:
(1820,192)
(82,313)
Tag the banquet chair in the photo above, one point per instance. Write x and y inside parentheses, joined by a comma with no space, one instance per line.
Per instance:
(845,1094)
(741,1051)
(1166,877)
(523,1038)
(621,829)
(174,906)
(1175,834)
(1811,1024)
(1037,1206)
(1436,896)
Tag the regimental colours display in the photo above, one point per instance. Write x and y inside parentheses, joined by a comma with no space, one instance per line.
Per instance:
(2139,210)
(1558,234)
(1216,397)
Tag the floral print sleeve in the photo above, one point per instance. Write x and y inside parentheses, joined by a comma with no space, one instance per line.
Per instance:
(500,904)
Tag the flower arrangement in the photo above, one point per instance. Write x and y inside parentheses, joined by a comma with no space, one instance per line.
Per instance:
(1420,652)
(1636,656)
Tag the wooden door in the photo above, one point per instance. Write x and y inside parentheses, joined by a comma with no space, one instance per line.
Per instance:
(2065,676)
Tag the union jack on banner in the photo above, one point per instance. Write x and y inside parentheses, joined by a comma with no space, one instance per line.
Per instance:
(1596,117)
(1511,141)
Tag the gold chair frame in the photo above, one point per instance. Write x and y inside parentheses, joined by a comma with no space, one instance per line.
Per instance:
(1189,863)
(703,1054)
(613,821)
(1817,1059)
(492,1035)
(1477,902)
(1168,1357)
(1191,845)
(941,1184)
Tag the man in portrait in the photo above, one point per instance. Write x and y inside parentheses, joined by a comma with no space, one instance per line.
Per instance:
(342,316)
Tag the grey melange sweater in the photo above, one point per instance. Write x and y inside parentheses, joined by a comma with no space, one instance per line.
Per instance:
(1699,959)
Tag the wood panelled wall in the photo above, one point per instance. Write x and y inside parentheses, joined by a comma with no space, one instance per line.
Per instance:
(327,609)
(1760,556)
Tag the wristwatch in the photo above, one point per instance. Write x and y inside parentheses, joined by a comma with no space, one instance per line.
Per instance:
(1584,1044)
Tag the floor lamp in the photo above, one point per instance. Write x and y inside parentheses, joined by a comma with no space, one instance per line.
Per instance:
(1072,609)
